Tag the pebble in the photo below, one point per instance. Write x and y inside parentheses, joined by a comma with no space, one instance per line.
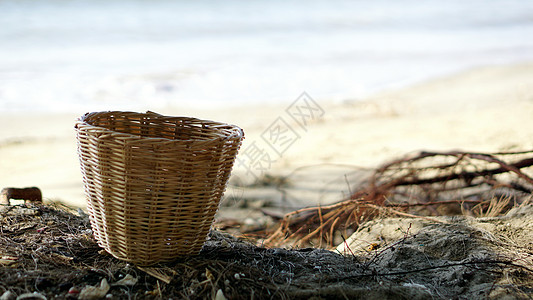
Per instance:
(220,295)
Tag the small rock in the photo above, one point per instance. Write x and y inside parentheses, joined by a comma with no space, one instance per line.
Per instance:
(220,295)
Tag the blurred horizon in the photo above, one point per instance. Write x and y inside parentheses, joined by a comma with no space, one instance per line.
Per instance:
(70,56)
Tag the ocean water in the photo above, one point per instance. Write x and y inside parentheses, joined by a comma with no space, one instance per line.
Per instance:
(87,55)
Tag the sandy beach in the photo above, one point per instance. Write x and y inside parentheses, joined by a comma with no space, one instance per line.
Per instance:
(485,109)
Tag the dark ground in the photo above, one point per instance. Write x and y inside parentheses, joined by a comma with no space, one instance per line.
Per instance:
(50,251)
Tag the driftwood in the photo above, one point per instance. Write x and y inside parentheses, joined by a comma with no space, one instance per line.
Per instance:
(29,195)
(424,185)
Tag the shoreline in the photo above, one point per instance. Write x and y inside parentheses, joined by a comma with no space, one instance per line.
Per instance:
(485,109)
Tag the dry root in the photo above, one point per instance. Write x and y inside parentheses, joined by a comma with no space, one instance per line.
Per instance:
(427,184)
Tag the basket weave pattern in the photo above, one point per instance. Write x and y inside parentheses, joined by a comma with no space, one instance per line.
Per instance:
(153,183)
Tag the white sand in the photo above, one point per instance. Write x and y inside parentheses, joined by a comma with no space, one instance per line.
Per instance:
(487,109)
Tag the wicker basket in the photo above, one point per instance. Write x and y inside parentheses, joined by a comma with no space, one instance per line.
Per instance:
(153,183)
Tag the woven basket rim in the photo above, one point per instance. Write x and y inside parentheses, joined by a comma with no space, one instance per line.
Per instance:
(233,131)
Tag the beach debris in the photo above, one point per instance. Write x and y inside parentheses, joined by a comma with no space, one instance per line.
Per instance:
(19,211)
(61,257)
(373,246)
(42,229)
(31,195)
(73,291)
(155,292)
(8,295)
(164,274)
(220,295)
(32,296)
(7,260)
(95,292)
(128,280)
(209,275)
